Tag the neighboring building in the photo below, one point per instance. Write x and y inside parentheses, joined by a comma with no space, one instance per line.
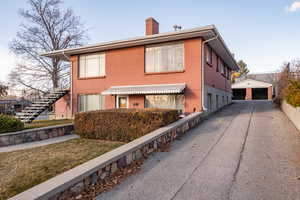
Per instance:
(11,105)
(249,89)
(272,78)
(188,70)
(260,86)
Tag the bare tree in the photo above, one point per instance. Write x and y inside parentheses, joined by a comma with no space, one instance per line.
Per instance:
(47,27)
(3,90)
(294,69)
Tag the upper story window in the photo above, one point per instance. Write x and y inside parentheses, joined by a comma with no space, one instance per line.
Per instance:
(208,55)
(228,74)
(220,66)
(223,69)
(92,65)
(218,60)
(164,58)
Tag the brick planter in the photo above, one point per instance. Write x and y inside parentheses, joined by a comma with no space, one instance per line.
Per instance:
(36,134)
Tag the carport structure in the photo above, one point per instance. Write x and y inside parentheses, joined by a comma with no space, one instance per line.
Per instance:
(249,89)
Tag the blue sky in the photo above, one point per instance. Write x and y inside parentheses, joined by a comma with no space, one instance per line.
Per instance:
(264,33)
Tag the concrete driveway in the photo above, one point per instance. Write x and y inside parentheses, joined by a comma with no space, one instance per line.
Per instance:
(250,150)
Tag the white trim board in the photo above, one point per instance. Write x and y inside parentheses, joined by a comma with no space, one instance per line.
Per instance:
(250,83)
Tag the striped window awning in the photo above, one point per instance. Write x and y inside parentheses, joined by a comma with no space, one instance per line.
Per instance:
(146,89)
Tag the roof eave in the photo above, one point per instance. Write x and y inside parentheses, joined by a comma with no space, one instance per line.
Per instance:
(204,32)
(150,39)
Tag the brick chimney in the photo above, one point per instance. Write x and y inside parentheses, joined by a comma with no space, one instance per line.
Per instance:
(152,26)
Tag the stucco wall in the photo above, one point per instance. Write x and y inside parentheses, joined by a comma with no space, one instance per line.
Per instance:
(292,113)
(126,67)
(215,91)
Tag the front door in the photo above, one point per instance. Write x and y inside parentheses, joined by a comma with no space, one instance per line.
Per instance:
(122,101)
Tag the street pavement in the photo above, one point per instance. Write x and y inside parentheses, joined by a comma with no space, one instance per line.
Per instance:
(249,150)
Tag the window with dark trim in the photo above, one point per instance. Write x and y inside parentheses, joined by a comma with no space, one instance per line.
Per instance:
(229,74)
(208,55)
(221,66)
(217,64)
(225,71)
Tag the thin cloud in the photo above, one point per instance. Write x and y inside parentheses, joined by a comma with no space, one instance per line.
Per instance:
(7,62)
(294,7)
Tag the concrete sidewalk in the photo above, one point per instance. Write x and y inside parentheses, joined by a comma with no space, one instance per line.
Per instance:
(38,143)
(223,158)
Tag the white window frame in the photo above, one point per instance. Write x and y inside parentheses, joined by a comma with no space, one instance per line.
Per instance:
(208,54)
(209,102)
(183,102)
(117,101)
(102,104)
(221,66)
(101,68)
(229,73)
(162,68)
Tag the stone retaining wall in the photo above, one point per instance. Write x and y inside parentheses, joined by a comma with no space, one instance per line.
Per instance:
(292,113)
(36,134)
(71,183)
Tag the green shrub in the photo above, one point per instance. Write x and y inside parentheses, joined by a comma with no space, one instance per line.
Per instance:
(122,124)
(292,93)
(10,124)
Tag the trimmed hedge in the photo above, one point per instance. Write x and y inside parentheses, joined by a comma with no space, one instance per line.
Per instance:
(10,124)
(292,93)
(122,124)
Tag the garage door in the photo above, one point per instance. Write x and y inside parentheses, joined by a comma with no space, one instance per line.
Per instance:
(259,93)
(239,94)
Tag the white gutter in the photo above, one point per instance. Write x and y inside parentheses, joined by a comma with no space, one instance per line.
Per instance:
(203,65)
(63,53)
(150,39)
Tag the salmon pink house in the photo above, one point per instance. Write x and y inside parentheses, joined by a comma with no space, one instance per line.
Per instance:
(188,70)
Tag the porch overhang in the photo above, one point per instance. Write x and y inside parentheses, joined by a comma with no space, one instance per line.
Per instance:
(146,89)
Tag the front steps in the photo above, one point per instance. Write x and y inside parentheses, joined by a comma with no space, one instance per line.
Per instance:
(36,108)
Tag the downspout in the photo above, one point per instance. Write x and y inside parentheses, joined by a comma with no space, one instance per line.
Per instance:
(203,67)
(71,85)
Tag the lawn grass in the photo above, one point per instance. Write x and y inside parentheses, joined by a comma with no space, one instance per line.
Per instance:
(44,123)
(23,169)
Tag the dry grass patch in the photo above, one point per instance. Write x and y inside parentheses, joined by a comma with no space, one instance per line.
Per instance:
(44,123)
(21,170)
